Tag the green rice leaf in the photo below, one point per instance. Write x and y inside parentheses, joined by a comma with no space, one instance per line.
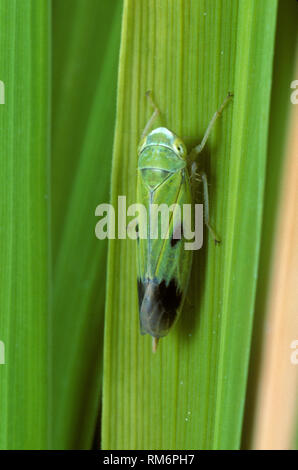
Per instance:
(24,224)
(84,103)
(191,394)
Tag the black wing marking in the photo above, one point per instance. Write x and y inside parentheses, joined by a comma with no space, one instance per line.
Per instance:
(158,305)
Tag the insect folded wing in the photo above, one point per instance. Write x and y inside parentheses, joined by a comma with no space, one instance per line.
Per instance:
(158,307)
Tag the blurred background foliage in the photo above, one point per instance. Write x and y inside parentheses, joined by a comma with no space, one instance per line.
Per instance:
(85,41)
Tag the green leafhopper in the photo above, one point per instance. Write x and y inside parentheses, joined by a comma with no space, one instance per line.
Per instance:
(165,171)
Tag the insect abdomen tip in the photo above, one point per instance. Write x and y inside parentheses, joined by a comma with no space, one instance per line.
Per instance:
(154,344)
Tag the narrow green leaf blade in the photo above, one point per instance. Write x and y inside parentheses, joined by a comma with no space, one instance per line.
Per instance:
(253,72)
(24,222)
(84,104)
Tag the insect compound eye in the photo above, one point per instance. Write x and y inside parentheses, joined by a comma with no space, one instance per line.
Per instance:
(180,148)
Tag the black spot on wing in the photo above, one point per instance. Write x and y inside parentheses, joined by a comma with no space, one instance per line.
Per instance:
(170,295)
(158,308)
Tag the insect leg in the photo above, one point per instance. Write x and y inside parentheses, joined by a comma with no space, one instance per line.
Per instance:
(156,112)
(213,233)
(195,179)
(198,149)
